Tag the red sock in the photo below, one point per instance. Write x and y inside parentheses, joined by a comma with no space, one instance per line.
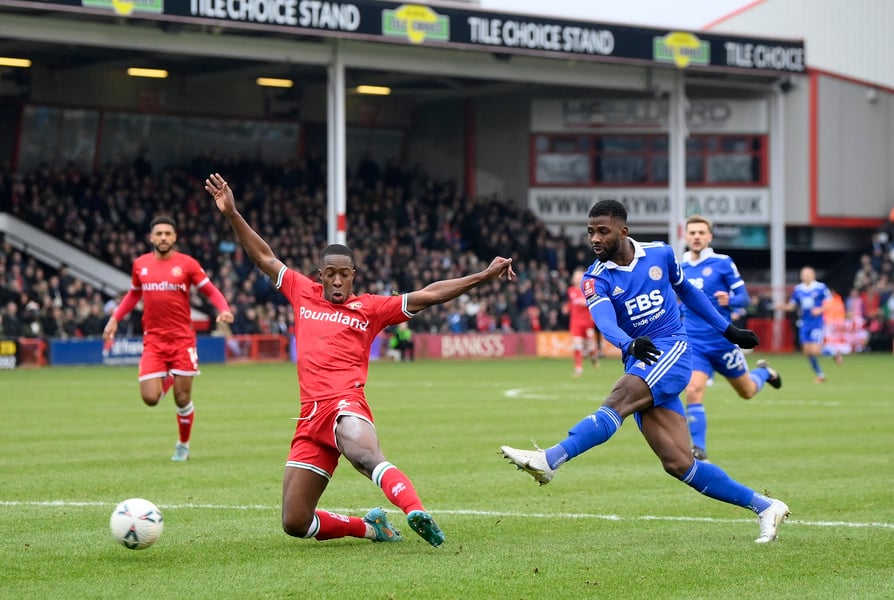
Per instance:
(185,418)
(334,526)
(578,359)
(166,384)
(397,487)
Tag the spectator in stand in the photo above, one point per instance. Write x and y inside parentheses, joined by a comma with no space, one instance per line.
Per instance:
(12,325)
(854,306)
(485,321)
(246,322)
(881,250)
(31,320)
(402,344)
(93,324)
(52,322)
(456,321)
(866,275)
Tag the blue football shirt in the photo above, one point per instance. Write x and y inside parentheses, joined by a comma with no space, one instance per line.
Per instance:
(808,297)
(712,272)
(640,293)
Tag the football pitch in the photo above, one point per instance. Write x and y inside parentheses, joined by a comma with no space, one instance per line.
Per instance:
(611,524)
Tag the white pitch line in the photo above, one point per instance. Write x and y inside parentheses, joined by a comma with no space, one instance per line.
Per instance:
(465,512)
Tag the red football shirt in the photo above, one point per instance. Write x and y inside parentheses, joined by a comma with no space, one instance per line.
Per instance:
(333,340)
(578,313)
(164,285)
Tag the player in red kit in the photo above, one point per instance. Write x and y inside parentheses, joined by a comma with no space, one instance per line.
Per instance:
(334,329)
(162,279)
(584,335)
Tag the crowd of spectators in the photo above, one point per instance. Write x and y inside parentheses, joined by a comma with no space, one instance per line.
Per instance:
(36,303)
(406,230)
(871,297)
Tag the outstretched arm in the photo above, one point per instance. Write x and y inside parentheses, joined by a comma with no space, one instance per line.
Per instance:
(448,289)
(258,250)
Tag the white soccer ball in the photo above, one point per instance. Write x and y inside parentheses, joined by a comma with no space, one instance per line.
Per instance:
(136,523)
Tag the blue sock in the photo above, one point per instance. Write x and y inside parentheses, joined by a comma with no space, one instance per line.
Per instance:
(760,377)
(712,481)
(814,364)
(592,431)
(698,424)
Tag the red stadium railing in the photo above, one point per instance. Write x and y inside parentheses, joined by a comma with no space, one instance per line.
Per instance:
(257,347)
(32,352)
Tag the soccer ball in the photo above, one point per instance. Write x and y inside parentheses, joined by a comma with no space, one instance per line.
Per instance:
(136,523)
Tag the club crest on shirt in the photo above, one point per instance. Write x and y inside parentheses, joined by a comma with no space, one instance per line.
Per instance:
(707,271)
(177,272)
(355,305)
(655,273)
(144,271)
(589,288)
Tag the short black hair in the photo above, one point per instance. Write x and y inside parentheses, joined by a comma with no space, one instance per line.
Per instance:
(162,220)
(609,208)
(338,249)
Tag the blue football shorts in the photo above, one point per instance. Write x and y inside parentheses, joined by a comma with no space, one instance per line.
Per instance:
(668,377)
(712,352)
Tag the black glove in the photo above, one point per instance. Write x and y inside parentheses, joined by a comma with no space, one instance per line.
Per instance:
(643,349)
(743,338)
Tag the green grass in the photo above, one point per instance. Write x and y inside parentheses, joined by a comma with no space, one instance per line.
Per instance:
(611,525)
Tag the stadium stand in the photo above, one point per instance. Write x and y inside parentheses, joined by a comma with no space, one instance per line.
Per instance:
(406,229)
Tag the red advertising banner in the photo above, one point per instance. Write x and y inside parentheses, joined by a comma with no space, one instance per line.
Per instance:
(475,345)
(545,344)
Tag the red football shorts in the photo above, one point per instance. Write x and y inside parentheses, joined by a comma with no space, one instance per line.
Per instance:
(313,446)
(585,330)
(161,358)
